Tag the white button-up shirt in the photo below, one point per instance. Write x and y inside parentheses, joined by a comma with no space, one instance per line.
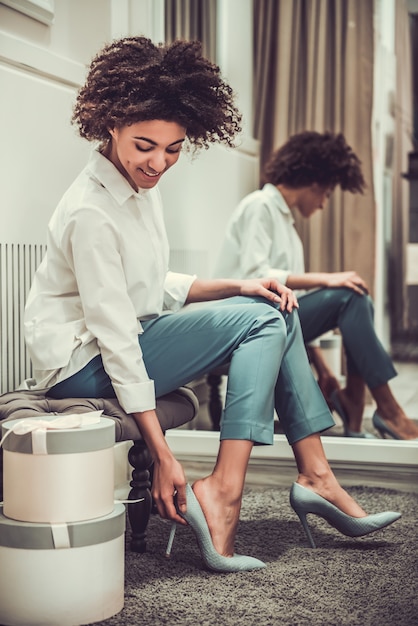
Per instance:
(261,240)
(105,270)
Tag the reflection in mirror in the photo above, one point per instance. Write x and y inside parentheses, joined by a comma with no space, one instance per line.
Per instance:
(191,20)
(305,100)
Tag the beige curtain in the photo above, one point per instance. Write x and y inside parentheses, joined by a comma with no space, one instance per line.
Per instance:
(192,19)
(313,70)
(402,145)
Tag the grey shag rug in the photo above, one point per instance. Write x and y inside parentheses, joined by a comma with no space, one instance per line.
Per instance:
(370,581)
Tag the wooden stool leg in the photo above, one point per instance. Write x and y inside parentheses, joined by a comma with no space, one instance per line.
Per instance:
(215,402)
(139,512)
(1,475)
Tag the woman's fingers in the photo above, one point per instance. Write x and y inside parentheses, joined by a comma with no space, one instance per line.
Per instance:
(167,508)
(288,299)
(270,289)
(169,486)
(181,499)
(351,280)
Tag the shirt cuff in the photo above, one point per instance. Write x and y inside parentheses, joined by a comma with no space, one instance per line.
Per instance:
(136,397)
(315,343)
(176,289)
(280,275)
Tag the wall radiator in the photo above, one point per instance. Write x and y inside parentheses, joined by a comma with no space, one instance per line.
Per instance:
(18,263)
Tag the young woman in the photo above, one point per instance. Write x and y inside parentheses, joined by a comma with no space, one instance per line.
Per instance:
(101,318)
(261,241)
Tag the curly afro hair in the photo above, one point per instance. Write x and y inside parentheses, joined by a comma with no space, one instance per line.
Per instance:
(132,80)
(310,157)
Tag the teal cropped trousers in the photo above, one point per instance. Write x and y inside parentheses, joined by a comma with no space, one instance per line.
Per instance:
(343,308)
(268,366)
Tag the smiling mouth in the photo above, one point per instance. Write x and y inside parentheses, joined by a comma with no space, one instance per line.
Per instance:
(150,174)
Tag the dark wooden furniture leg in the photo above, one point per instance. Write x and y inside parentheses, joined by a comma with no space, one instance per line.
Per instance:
(215,403)
(139,512)
(1,475)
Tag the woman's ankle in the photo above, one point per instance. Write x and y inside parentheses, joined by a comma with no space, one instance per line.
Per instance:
(221,513)
(318,478)
(353,404)
(354,408)
(355,389)
(329,488)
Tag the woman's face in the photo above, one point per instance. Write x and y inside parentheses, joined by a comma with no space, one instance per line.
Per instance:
(313,198)
(143,151)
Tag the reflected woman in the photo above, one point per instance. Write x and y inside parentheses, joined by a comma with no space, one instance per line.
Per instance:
(261,240)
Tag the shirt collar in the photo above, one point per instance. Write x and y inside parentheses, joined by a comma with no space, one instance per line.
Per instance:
(108,175)
(276,197)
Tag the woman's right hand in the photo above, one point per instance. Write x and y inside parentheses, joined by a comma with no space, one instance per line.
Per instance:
(219,288)
(271,289)
(347,279)
(168,482)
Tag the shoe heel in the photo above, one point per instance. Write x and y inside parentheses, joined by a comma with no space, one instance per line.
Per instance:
(306,528)
(171,540)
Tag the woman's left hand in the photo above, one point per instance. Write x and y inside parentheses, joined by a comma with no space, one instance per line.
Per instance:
(270,289)
(220,288)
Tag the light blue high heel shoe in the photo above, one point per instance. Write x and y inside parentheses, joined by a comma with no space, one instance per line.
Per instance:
(338,407)
(380,425)
(305,501)
(213,560)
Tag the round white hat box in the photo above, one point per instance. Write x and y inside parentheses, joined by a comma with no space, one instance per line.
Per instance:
(62,574)
(61,474)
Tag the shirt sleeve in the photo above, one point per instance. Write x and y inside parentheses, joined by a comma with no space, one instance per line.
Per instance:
(90,242)
(176,288)
(255,232)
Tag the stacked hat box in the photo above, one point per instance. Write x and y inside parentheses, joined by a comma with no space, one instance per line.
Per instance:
(61,534)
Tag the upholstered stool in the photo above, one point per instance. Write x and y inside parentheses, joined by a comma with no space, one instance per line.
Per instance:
(173,409)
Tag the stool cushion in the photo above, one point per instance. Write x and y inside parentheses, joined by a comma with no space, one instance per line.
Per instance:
(173,409)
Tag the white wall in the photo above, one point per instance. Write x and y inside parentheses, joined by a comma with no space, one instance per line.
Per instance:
(79,29)
(200,194)
(41,68)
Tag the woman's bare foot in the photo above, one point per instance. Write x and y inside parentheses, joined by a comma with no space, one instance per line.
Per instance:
(316,474)
(329,488)
(221,512)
